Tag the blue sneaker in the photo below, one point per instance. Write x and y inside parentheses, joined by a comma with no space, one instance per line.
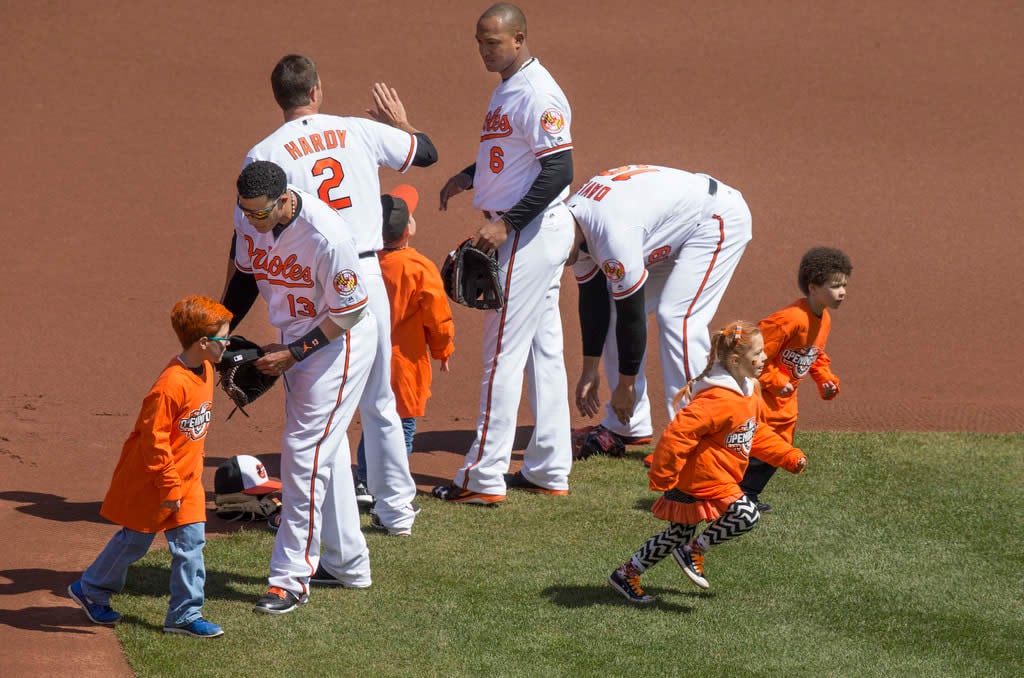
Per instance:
(200,628)
(97,614)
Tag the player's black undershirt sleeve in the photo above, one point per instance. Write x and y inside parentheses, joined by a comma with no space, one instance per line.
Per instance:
(595,314)
(631,332)
(241,292)
(630,323)
(426,153)
(555,175)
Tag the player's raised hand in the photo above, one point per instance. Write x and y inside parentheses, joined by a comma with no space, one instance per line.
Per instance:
(457,184)
(388,108)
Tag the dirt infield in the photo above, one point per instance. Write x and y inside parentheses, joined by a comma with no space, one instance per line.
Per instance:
(886,129)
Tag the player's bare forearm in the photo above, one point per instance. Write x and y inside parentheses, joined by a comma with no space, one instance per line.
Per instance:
(457,184)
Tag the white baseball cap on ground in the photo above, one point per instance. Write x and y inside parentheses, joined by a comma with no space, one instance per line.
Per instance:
(244,473)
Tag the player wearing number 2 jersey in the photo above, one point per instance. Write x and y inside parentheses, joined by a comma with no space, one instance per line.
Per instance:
(650,239)
(521,175)
(337,159)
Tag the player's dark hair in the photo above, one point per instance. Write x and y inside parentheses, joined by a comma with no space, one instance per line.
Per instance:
(293,78)
(734,338)
(196,317)
(819,264)
(261,178)
(512,16)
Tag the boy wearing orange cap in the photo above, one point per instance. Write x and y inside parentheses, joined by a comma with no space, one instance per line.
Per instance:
(421,318)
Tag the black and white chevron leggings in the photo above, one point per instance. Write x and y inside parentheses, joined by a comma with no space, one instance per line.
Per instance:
(739,518)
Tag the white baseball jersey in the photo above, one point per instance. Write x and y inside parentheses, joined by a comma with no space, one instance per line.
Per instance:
(310,271)
(337,159)
(634,217)
(678,235)
(528,118)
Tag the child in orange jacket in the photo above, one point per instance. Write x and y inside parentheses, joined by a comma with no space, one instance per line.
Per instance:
(421,318)
(700,460)
(794,341)
(157,484)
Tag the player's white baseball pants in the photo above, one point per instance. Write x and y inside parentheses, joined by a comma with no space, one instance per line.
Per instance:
(320,517)
(387,461)
(525,334)
(685,294)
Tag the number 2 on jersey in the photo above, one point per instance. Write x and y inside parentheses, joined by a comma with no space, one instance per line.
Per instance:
(335,176)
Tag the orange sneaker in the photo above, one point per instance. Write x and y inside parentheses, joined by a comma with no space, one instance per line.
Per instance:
(456,495)
(517,481)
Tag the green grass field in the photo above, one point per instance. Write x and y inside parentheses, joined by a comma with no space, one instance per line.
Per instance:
(896,554)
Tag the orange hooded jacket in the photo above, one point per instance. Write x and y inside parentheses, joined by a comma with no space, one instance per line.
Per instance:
(162,460)
(794,341)
(421,320)
(705,449)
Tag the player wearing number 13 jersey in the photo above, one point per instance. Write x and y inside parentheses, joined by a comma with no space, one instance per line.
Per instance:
(650,239)
(337,159)
(520,178)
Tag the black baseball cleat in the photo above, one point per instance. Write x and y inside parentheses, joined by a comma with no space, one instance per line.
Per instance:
(278,601)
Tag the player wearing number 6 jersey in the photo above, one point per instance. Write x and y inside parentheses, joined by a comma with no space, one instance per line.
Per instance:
(650,239)
(337,159)
(522,173)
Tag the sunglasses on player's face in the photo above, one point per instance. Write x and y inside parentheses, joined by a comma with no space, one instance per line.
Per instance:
(258,215)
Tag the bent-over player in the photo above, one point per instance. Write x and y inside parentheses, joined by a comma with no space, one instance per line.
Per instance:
(522,172)
(336,159)
(649,239)
(303,257)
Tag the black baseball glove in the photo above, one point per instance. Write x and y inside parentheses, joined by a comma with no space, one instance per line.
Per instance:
(239,378)
(472,277)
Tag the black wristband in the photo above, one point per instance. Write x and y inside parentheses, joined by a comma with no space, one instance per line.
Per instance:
(309,344)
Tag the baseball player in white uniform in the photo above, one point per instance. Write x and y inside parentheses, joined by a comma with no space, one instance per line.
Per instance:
(652,239)
(303,257)
(337,159)
(521,176)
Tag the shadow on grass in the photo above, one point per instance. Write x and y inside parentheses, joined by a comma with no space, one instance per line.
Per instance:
(590,596)
(154,581)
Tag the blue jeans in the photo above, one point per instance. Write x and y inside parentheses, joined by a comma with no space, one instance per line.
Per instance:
(408,427)
(109,571)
